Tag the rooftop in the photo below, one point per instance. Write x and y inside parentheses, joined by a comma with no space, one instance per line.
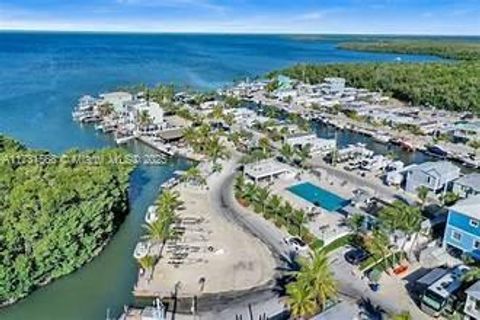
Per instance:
(266,168)
(469,207)
(474,290)
(470,180)
(439,166)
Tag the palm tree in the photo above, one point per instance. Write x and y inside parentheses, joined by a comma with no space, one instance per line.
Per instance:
(144,118)
(287,152)
(105,109)
(250,192)
(169,199)
(274,205)
(298,219)
(355,222)
(411,225)
(216,150)
(422,193)
(264,144)
(317,279)
(301,301)
(378,244)
(193,174)
(304,154)
(217,112)
(261,198)
(190,135)
(402,316)
(147,262)
(239,185)
(472,275)
(159,231)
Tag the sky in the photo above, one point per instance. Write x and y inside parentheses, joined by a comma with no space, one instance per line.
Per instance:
(440,17)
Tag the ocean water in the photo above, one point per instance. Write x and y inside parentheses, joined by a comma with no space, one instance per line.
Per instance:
(43,74)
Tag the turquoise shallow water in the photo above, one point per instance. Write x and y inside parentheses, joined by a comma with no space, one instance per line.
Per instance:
(43,74)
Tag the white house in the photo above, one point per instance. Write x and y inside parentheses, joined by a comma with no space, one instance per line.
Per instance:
(116,99)
(317,145)
(267,169)
(434,175)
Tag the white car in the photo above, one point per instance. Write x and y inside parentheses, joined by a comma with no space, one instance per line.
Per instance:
(296,243)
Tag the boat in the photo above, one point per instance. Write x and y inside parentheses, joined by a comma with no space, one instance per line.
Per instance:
(124,139)
(141,250)
(381,137)
(407,145)
(437,150)
(151,215)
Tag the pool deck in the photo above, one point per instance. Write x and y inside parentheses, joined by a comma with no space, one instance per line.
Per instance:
(328,225)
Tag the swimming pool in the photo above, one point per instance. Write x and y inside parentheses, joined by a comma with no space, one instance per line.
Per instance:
(318,196)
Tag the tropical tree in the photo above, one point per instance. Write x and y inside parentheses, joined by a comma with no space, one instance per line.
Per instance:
(264,145)
(144,118)
(250,192)
(422,193)
(193,174)
(274,206)
(105,109)
(304,154)
(215,149)
(147,262)
(239,185)
(298,219)
(287,152)
(217,112)
(378,244)
(355,222)
(472,275)
(261,198)
(314,281)
(300,300)
(402,316)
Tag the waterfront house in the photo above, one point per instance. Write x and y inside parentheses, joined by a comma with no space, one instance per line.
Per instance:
(318,146)
(472,303)
(467,185)
(463,227)
(116,99)
(436,176)
(267,169)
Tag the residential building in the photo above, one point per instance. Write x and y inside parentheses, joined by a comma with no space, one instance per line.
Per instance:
(463,227)
(116,99)
(436,176)
(467,185)
(317,145)
(267,169)
(472,304)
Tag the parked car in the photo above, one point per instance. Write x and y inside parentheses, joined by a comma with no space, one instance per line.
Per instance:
(296,243)
(356,256)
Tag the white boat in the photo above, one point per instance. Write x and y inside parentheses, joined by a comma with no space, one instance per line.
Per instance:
(151,215)
(381,137)
(123,139)
(141,250)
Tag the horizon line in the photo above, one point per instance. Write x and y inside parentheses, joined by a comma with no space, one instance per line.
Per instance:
(159,32)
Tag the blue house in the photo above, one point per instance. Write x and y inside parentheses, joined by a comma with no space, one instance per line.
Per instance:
(463,227)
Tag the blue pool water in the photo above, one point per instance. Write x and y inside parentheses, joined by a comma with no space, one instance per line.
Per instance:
(318,196)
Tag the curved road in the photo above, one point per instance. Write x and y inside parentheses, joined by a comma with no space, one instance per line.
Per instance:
(259,300)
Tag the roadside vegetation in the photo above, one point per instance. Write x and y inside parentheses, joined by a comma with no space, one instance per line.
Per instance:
(313,288)
(273,208)
(56,213)
(451,86)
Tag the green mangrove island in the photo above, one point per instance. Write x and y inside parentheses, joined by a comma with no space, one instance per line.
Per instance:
(451,85)
(56,212)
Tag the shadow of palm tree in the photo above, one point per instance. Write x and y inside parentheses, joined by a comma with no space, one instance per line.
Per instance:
(287,270)
(370,310)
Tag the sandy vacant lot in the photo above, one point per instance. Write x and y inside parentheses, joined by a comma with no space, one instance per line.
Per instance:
(221,256)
